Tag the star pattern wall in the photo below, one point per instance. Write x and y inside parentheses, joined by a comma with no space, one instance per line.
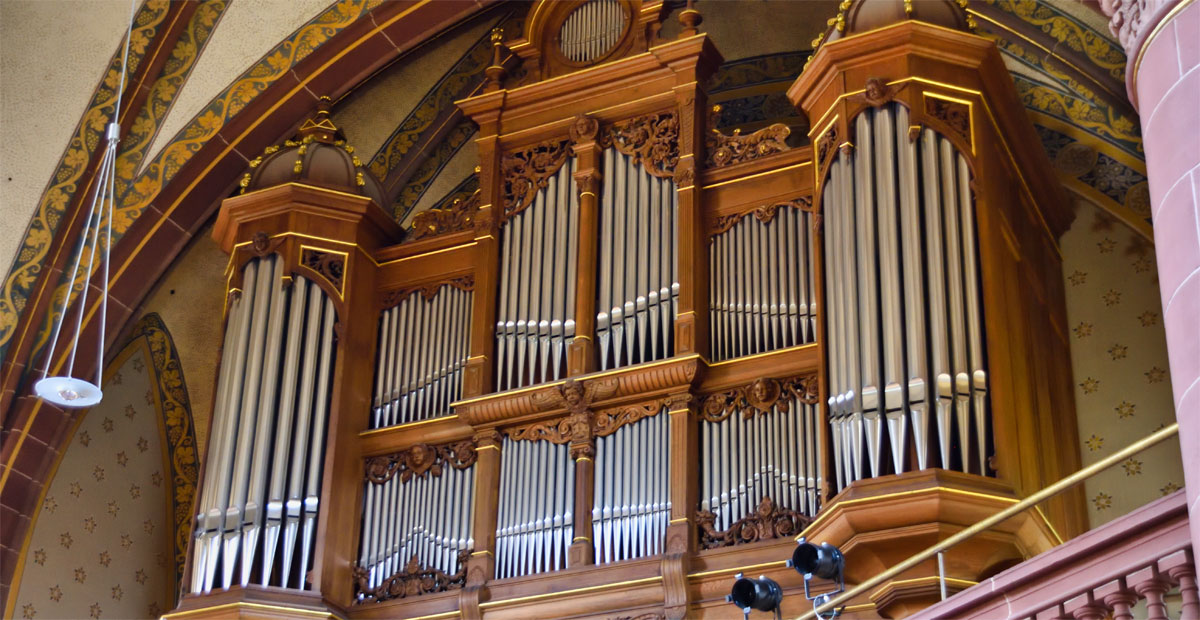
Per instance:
(1119,359)
(101,543)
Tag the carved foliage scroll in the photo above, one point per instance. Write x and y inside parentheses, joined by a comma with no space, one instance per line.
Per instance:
(459,215)
(529,170)
(412,580)
(827,147)
(330,265)
(760,397)
(582,424)
(956,115)
(427,290)
(726,150)
(651,140)
(767,522)
(764,213)
(420,460)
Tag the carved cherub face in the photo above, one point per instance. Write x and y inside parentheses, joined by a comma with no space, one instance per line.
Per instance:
(418,456)
(761,390)
(572,393)
(875,89)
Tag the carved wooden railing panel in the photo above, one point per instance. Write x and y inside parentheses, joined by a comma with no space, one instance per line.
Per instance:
(767,522)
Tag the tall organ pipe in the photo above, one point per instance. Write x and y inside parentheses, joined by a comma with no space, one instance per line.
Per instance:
(905,324)
(761,295)
(638,282)
(534,525)
(631,506)
(422,354)
(263,439)
(536,314)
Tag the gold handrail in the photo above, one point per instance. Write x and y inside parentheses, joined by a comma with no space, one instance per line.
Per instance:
(1007,513)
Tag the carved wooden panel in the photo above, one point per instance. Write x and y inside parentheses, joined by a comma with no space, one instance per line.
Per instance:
(760,397)
(420,460)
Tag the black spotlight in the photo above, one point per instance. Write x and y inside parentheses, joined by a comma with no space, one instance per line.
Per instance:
(762,594)
(824,561)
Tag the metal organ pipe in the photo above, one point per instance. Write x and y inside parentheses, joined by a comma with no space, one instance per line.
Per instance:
(421,356)
(761,296)
(591,30)
(631,506)
(263,440)
(536,314)
(905,324)
(534,524)
(638,288)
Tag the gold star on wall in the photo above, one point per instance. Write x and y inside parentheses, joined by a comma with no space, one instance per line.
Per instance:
(80,575)
(1095,442)
(55,593)
(1133,467)
(1106,245)
(122,459)
(117,593)
(76,489)
(65,540)
(1089,385)
(156,478)
(39,557)
(1112,297)
(107,425)
(85,438)
(116,379)
(1077,278)
(89,524)
(105,559)
(50,505)
(142,444)
(1102,501)
(94,611)
(98,473)
(1083,330)
(1168,488)
(126,541)
(1125,409)
(1118,351)
(1155,375)
(135,491)
(28,611)
(149,397)
(154,610)
(140,577)
(138,365)
(113,508)
(148,525)
(1143,264)
(130,411)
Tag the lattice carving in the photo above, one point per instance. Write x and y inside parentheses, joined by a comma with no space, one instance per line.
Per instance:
(427,290)
(767,522)
(651,140)
(420,460)
(764,213)
(760,397)
(528,171)
(726,150)
(459,215)
(412,580)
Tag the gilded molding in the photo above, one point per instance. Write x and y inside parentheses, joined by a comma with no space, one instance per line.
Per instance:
(420,461)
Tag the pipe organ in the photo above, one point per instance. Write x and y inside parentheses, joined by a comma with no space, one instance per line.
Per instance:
(638,290)
(421,354)
(645,354)
(905,322)
(256,515)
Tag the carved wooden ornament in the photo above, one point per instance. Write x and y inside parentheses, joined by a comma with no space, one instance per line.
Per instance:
(767,522)
(420,460)
(651,140)
(760,397)
(428,290)
(528,171)
(412,580)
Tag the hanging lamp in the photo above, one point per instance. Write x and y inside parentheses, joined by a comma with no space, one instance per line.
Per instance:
(68,390)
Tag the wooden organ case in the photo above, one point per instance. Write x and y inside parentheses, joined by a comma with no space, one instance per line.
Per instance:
(646,355)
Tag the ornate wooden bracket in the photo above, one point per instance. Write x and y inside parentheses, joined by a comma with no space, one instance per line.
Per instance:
(726,150)
(459,215)
(412,580)
(764,213)
(420,460)
(767,522)
(760,397)
(527,171)
(427,290)
(876,93)
(329,265)
(651,140)
(955,115)
(826,150)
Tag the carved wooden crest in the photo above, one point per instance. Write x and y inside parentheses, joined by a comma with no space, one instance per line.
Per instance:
(651,140)
(955,115)
(528,171)
(767,522)
(760,397)
(428,290)
(763,213)
(420,460)
(733,149)
(459,215)
(412,580)
(329,265)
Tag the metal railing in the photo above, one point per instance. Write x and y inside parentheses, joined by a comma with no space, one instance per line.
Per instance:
(1012,511)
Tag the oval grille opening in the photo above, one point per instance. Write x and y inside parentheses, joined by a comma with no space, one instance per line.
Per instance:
(591,30)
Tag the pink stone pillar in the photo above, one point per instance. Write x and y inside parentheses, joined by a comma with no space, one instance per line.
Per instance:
(1162,41)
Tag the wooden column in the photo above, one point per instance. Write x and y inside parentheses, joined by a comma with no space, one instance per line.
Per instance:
(584,453)
(480,372)
(482,565)
(684,493)
(581,354)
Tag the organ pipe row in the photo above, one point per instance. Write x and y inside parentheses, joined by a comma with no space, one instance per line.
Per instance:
(632,501)
(638,284)
(904,325)
(749,455)
(536,314)
(591,30)
(427,517)
(762,285)
(534,526)
(422,352)
(258,508)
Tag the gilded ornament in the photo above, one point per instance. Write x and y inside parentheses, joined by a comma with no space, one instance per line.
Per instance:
(420,461)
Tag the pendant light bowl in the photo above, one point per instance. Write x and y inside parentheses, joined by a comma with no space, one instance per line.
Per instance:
(68,391)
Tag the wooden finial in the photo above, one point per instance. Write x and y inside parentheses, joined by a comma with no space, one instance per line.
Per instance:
(495,73)
(689,18)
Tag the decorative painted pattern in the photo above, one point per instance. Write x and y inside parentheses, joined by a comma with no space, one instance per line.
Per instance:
(202,128)
(429,169)
(109,538)
(1126,188)
(70,170)
(1067,30)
